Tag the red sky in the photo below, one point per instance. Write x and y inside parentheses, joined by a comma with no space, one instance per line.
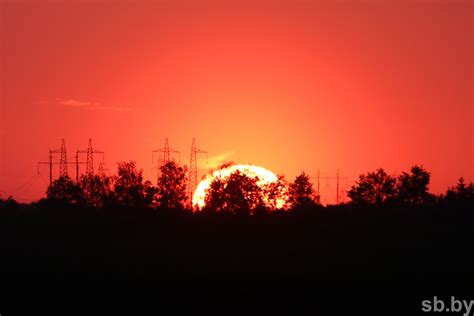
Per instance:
(287,85)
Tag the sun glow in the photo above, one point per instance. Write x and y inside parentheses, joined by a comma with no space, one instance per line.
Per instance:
(264,177)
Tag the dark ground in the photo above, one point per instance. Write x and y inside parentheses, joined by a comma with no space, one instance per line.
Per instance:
(333,261)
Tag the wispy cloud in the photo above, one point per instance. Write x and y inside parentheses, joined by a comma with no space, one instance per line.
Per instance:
(86,105)
(216,161)
(76,103)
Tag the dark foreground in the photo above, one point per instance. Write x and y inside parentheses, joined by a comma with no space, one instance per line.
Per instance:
(333,261)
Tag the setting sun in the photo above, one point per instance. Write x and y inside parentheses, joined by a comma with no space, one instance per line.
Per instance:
(264,177)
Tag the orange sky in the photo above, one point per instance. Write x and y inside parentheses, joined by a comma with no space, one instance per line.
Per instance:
(288,85)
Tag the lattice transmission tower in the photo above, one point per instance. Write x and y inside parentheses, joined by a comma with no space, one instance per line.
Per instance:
(90,151)
(62,161)
(193,168)
(164,156)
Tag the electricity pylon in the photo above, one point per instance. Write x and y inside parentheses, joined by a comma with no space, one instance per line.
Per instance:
(192,180)
(63,159)
(62,162)
(90,151)
(164,156)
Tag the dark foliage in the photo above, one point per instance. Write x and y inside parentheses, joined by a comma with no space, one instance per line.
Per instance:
(9,204)
(172,186)
(236,194)
(412,188)
(64,190)
(97,190)
(373,188)
(301,192)
(130,191)
(460,193)
(276,194)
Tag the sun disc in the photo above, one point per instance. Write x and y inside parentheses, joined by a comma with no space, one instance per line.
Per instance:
(264,177)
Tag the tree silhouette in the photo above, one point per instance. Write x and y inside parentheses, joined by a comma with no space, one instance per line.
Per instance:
(462,192)
(301,192)
(236,194)
(172,186)
(373,188)
(413,187)
(129,188)
(66,191)
(276,194)
(97,189)
(214,199)
(150,194)
(461,188)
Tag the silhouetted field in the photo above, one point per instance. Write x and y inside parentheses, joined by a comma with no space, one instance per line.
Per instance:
(322,261)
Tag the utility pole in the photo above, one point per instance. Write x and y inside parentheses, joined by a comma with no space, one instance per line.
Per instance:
(319,192)
(192,180)
(164,156)
(50,164)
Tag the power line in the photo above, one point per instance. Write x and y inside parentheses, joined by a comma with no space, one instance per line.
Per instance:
(20,190)
(25,184)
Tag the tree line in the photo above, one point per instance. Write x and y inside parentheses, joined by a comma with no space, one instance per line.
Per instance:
(241,194)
